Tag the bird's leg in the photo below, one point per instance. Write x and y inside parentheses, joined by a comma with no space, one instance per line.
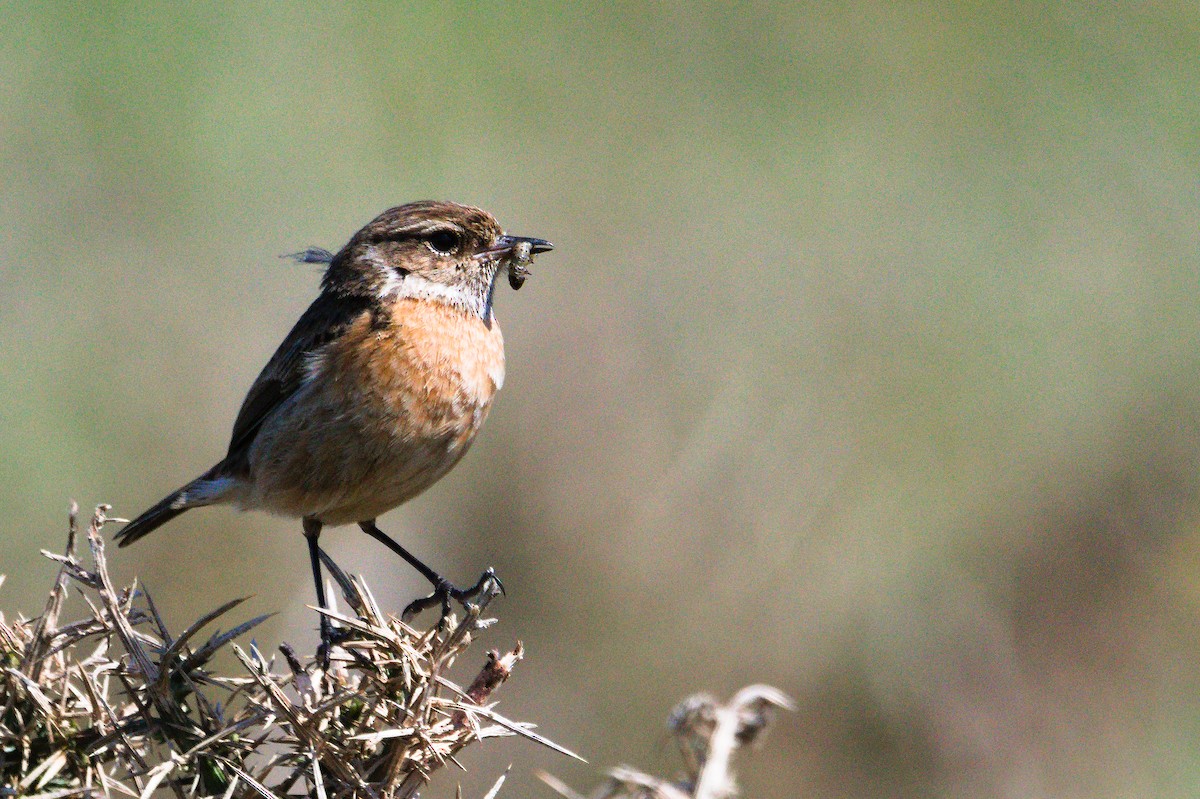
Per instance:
(343,581)
(443,589)
(312,531)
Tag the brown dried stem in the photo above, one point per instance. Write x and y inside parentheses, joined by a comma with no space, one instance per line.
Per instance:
(708,733)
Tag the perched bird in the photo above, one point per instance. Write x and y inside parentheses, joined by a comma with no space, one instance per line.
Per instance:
(379,389)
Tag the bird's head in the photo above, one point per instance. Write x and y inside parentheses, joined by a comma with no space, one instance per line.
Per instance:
(436,250)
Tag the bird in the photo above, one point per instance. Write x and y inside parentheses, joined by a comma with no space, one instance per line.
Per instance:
(378,390)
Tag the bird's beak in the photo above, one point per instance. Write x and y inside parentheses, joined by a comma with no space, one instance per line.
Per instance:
(507,245)
(535,245)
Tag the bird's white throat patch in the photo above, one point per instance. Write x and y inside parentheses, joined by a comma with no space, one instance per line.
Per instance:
(420,287)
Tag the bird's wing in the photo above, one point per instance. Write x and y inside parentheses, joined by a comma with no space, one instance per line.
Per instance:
(327,318)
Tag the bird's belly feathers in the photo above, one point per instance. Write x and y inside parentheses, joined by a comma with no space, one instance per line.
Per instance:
(385,412)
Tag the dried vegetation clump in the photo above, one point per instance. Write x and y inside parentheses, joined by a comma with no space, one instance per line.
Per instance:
(112,703)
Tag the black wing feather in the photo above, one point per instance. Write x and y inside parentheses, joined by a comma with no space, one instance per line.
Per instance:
(327,318)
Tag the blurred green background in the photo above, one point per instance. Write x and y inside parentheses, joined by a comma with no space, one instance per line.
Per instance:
(866,366)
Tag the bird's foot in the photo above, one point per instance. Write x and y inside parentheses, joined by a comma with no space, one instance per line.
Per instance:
(444,591)
(325,649)
(330,637)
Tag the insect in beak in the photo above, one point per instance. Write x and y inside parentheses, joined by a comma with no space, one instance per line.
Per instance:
(517,252)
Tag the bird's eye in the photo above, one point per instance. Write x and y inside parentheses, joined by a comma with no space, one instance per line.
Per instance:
(443,242)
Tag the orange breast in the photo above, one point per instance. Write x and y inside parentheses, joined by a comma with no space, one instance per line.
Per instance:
(389,410)
(432,368)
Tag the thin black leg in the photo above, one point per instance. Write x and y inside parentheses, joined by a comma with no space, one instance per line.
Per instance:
(443,589)
(429,574)
(312,531)
(342,579)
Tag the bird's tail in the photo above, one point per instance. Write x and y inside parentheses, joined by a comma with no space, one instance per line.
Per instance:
(151,520)
(204,490)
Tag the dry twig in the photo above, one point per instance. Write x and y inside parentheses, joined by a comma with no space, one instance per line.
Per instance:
(708,733)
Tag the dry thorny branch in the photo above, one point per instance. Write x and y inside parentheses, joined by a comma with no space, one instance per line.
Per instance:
(708,733)
(114,704)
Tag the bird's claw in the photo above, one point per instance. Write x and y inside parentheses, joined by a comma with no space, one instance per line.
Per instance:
(330,637)
(445,591)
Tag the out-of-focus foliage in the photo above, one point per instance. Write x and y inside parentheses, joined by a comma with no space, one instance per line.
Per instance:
(866,365)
